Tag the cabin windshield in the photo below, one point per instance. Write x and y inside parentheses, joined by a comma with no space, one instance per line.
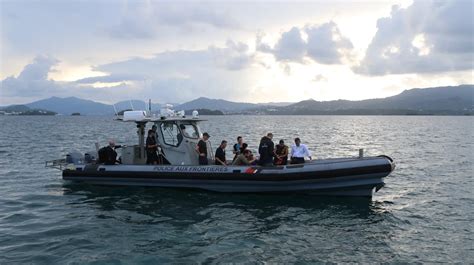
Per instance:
(171,133)
(189,130)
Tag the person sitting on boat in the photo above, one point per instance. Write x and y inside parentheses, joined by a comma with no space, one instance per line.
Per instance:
(266,150)
(108,155)
(281,154)
(237,146)
(251,158)
(201,149)
(244,159)
(151,148)
(220,154)
(243,148)
(298,152)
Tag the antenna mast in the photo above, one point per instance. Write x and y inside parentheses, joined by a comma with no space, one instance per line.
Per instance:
(116,113)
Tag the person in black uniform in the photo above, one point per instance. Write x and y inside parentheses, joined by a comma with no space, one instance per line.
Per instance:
(107,155)
(151,148)
(201,149)
(266,150)
(220,154)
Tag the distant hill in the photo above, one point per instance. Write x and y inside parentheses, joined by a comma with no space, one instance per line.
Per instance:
(457,100)
(275,104)
(205,112)
(215,104)
(225,105)
(137,105)
(69,105)
(15,108)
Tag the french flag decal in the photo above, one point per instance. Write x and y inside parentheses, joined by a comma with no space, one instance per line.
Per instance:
(251,170)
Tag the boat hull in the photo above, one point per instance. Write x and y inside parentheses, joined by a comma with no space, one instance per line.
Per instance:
(338,177)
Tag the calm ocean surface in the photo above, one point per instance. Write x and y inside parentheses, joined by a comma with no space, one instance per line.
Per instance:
(424,213)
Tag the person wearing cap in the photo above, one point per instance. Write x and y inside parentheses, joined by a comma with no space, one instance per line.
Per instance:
(201,149)
(281,154)
(220,154)
(298,152)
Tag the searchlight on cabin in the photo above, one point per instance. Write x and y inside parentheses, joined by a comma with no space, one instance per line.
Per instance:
(195,114)
(181,114)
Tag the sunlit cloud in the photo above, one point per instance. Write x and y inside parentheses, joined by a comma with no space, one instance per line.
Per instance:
(428,36)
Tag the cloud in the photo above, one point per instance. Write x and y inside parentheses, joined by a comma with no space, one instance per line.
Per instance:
(176,76)
(235,56)
(32,83)
(134,28)
(111,78)
(172,76)
(290,47)
(149,20)
(32,80)
(320,78)
(38,69)
(428,36)
(324,44)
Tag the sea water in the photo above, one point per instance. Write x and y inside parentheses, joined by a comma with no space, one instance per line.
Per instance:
(423,214)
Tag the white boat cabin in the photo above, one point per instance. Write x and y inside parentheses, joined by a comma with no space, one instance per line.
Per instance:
(177,136)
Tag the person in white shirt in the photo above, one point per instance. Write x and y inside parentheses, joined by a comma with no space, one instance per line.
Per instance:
(298,152)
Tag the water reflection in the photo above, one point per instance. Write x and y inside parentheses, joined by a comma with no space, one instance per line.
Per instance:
(178,204)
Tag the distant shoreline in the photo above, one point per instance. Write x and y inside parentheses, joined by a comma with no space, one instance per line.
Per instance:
(241,114)
(435,101)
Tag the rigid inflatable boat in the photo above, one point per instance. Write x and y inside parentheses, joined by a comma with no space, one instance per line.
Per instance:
(178,136)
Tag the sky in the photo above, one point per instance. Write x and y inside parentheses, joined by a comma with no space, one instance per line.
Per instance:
(248,51)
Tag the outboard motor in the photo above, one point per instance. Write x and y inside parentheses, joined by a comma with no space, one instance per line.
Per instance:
(88,158)
(69,159)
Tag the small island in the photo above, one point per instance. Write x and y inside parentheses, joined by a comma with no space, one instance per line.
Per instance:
(76,114)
